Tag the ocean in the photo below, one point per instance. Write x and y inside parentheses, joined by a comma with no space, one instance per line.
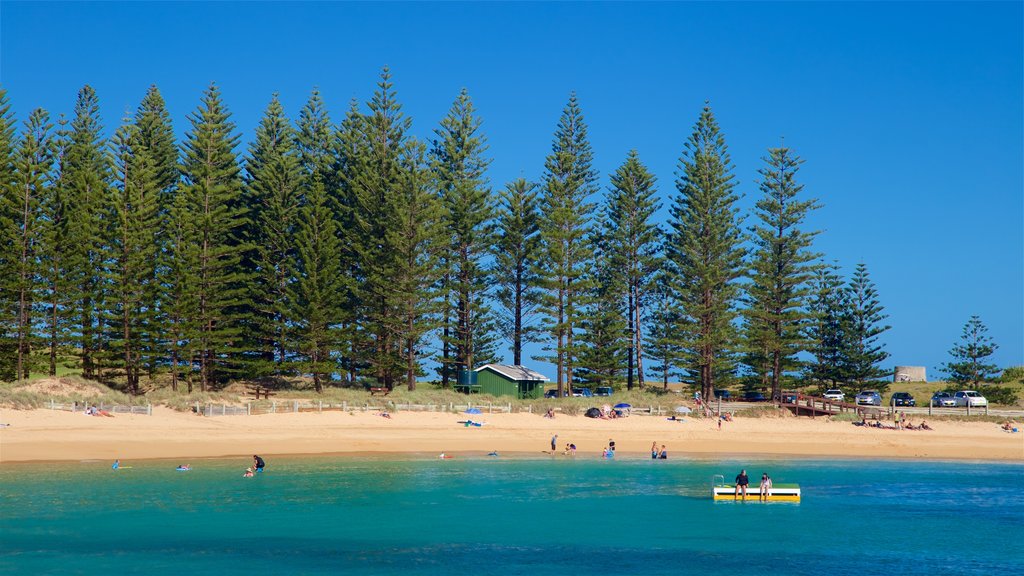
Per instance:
(505,516)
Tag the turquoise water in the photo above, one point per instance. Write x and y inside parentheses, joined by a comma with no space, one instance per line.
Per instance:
(509,516)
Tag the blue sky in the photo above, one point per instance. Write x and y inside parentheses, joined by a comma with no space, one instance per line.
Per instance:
(908,115)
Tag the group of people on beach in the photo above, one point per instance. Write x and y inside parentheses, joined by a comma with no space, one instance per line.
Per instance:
(742,481)
(899,423)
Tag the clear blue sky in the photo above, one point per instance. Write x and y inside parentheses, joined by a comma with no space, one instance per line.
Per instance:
(909,115)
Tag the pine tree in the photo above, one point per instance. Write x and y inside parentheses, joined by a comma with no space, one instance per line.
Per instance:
(416,241)
(634,245)
(314,138)
(132,247)
(458,165)
(662,341)
(180,294)
(569,181)
(273,194)
(56,295)
(155,133)
(11,343)
(603,324)
(705,254)
(826,332)
(316,294)
(969,364)
(213,188)
(516,260)
(863,351)
(780,270)
(86,178)
(374,176)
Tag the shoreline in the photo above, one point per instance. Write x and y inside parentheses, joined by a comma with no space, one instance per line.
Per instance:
(42,436)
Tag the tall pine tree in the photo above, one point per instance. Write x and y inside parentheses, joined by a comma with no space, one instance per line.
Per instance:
(273,195)
(826,331)
(705,254)
(780,271)
(213,187)
(86,179)
(458,164)
(863,350)
(11,343)
(569,182)
(517,250)
(132,246)
(634,244)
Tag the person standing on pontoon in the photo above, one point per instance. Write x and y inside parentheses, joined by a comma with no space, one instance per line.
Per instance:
(741,485)
(766,487)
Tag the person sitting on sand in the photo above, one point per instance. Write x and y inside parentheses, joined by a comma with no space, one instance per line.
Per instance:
(385,415)
(1008,426)
(248,473)
(550,413)
(727,417)
(909,426)
(924,426)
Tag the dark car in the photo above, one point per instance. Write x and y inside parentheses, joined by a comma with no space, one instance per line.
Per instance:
(723,394)
(553,394)
(754,397)
(902,399)
(603,391)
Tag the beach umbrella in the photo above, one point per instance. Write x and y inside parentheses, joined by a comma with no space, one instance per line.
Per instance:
(623,406)
(683,410)
(473,411)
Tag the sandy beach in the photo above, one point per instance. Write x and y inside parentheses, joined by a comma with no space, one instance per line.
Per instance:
(47,435)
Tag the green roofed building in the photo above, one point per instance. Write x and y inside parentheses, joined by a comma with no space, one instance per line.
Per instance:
(504,380)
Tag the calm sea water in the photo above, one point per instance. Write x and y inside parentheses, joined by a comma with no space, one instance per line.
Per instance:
(509,516)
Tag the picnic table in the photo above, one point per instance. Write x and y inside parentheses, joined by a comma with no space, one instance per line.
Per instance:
(258,390)
(374,390)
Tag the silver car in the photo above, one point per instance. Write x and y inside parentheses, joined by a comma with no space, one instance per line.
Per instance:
(943,400)
(834,394)
(869,398)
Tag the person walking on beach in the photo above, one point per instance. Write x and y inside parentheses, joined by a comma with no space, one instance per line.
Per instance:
(258,463)
(766,487)
(611,445)
(741,485)
(554,445)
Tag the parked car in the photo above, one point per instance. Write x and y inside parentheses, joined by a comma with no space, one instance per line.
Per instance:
(603,391)
(964,396)
(902,399)
(943,400)
(834,394)
(554,394)
(582,392)
(723,394)
(869,398)
(754,397)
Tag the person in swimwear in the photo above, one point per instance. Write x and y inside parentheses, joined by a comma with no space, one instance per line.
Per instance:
(741,485)
(248,473)
(766,487)
(258,463)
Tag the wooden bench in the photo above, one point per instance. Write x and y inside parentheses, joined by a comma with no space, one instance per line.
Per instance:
(256,391)
(374,390)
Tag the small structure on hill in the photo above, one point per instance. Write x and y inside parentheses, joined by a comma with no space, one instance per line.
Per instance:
(508,380)
(909,374)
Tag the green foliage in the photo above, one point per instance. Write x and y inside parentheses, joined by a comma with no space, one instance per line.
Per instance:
(569,181)
(214,219)
(633,252)
(780,272)
(458,167)
(517,250)
(968,365)
(863,328)
(705,256)
(10,346)
(1013,374)
(273,195)
(603,326)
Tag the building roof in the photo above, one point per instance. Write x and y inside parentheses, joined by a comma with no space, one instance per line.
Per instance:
(516,372)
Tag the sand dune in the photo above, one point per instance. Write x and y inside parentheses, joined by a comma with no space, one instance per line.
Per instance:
(41,435)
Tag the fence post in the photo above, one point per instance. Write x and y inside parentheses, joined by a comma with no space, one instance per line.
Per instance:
(321,408)
(295,405)
(968,406)
(273,407)
(149,409)
(344,406)
(197,407)
(248,408)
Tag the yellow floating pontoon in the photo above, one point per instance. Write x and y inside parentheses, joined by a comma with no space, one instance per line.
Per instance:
(777,493)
